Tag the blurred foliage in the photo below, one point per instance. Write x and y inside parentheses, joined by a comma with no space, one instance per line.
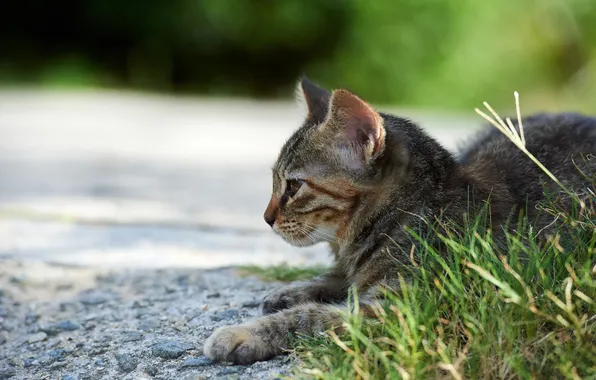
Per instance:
(434,53)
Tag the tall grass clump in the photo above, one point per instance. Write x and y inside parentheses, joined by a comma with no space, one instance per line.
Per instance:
(477,309)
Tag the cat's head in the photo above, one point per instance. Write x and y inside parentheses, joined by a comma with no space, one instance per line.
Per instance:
(327,165)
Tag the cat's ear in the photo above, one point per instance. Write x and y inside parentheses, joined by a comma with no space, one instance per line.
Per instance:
(357,127)
(314,97)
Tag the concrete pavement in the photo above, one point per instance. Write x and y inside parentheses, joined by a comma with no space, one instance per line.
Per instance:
(113,179)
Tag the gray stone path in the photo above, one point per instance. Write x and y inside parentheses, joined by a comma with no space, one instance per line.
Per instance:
(85,324)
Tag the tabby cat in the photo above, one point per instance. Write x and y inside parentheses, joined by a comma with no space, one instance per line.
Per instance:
(355,178)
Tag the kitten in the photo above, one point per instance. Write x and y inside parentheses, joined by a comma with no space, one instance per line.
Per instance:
(355,177)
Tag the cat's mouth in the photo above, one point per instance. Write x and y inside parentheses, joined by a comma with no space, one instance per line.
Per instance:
(296,239)
(298,234)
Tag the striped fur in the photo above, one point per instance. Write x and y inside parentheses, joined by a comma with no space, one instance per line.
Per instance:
(355,178)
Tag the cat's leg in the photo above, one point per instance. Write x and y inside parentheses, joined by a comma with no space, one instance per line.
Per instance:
(268,336)
(327,288)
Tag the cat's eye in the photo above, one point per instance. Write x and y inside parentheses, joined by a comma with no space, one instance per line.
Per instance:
(292,186)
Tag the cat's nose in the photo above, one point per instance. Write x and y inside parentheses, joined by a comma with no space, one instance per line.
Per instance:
(271,211)
(270,220)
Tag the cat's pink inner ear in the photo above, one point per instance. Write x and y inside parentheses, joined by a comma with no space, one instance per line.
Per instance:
(362,125)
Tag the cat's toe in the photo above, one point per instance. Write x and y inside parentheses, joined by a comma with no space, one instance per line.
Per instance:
(275,303)
(237,344)
(285,298)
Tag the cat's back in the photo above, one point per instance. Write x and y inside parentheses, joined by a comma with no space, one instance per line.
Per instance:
(559,141)
(545,135)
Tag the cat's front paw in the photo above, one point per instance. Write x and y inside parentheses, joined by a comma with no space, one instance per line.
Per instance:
(238,344)
(286,297)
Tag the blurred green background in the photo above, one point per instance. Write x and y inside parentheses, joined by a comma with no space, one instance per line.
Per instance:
(441,54)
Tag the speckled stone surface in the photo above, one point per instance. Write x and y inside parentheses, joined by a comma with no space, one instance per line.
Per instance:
(129,324)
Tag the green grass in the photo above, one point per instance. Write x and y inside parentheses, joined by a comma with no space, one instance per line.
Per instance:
(518,310)
(282,272)
(478,315)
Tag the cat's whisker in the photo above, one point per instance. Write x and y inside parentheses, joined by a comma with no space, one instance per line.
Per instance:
(299,229)
(322,234)
(311,238)
(311,235)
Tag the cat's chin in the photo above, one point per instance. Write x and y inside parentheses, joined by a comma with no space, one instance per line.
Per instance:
(304,239)
(298,242)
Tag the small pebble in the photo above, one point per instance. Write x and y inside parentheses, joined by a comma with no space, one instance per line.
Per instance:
(18,280)
(169,290)
(60,326)
(52,356)
(57,365)
(64,306)
(197,362)
(151,370)
(132,336)
(252,304)
(68,326)
(232,370)
(141,303)
(169,349)
(126,363)
(94,299)
(192,376)
(140,313)
(90,326)
(148,325)
(37,337)
(98,350)
(224,315)
(31,318)
(3,338)
(182,279)
(214,295)
(93,317)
